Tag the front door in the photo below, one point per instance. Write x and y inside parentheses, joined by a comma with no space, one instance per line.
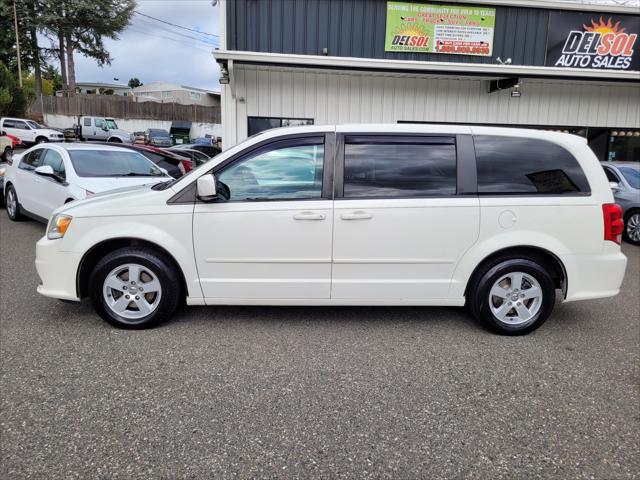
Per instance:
(53,192)
(400,223)
(28,183)
(272,238)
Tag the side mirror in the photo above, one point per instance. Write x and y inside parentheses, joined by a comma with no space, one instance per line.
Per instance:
(164,170)
(614,186)
(106,129)
(45,171)
(206,188)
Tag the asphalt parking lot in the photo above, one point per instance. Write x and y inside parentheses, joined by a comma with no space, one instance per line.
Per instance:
(257,392)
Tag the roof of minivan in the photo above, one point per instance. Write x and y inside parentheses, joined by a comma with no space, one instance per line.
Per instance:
(426,128)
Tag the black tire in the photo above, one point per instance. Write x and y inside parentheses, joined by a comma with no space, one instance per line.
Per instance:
(635,214)
(14,212)
(40,140)
(8,151)
(114,140)
(162,268)
(481,305)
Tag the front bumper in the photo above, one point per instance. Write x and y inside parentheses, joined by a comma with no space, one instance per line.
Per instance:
(57,270)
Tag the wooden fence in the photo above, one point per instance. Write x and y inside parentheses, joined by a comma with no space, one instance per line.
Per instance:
(123,107)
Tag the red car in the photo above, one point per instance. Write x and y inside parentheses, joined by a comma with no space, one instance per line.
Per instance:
(14,140)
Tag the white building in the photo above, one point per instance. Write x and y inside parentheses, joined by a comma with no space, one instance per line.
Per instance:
(170,92)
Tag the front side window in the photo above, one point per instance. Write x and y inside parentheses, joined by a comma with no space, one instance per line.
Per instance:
(99,122)
(522,166)
(286,173)
(54,160)
(32,160)
(111,163)
(407,167)
(111,124)
(34,125)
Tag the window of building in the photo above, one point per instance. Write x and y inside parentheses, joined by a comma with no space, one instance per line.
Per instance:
(286,172)
(260,124)
(624,145)
(194,95)
(400,167)
(166,94)
(513,165)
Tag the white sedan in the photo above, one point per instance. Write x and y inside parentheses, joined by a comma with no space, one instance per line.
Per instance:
(49,175)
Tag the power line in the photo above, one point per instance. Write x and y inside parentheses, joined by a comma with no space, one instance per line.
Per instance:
(175,25)
(186,42)
(208,42)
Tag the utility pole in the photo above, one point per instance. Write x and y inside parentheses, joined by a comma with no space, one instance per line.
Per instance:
(15,22)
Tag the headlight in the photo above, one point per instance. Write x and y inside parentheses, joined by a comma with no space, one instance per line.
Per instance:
(53,135)
(58,226)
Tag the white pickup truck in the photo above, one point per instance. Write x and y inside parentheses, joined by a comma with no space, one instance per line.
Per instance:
(29,132)
(101,129)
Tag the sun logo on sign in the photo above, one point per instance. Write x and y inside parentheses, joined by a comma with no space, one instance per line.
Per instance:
(603,27)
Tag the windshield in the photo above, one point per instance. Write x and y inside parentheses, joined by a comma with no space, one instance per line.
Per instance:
(111,124)
(112,163)
(33,124)
(632,176)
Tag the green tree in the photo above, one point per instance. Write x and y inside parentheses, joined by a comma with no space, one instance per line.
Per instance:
(81,26)
(134,82)
(13,101)
(50,73)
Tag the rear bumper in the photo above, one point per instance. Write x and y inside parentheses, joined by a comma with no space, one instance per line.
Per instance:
(57,270)
(594,276)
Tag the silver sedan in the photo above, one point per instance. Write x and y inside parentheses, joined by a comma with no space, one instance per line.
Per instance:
(624,178)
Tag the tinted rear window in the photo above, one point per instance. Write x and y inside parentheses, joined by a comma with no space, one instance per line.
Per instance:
(512,166)
(111,163)
(394,168)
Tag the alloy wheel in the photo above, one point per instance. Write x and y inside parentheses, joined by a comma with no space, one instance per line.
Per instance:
(515,298)
(633,227)
(12,204)
(132,291)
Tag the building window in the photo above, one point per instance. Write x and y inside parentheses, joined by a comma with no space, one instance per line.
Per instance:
(517,165)
(624,145)
(260,124)
(401,167)
(194,95)
(166,94)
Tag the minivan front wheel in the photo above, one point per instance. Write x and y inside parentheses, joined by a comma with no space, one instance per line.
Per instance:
(513,297)
(134,288)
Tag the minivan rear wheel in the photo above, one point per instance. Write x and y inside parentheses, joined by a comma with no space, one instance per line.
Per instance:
(513,296)
(134,288)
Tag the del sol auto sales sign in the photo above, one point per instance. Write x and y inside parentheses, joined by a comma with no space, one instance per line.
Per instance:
(593,40)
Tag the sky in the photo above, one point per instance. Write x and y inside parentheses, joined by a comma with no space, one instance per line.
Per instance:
(156,52)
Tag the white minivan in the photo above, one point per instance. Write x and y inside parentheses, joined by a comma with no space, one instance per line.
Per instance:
(496,219)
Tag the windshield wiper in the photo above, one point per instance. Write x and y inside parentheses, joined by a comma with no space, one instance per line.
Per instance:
(134,174)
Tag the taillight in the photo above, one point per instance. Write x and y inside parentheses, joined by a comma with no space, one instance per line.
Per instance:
(613,224)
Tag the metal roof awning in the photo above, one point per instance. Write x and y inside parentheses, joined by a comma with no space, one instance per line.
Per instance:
(413,66)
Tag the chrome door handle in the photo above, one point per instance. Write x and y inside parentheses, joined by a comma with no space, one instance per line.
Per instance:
(359,215)
(309,216)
